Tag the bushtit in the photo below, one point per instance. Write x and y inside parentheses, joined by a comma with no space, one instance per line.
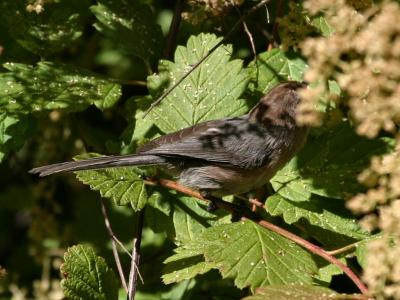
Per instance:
(219,157)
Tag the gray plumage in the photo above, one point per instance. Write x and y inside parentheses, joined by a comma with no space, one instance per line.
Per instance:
(220,157)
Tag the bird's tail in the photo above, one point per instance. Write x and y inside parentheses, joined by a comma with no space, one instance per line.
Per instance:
(99,163)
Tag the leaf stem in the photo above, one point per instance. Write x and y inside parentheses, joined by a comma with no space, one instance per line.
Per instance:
(248,215)
(343,249)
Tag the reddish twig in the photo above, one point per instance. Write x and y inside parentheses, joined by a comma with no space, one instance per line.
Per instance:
(248,215)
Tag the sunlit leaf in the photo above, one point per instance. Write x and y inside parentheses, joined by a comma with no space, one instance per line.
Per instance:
(122,185)
(87,276)
(211,91)
(273,67)
(255,257)
(316,213)
(299,292)
(186,263)
(47,86)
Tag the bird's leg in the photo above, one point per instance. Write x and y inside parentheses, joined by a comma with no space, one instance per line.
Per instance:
(206,194)
(257,200)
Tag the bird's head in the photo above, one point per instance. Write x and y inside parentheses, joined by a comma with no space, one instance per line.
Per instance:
(278,105)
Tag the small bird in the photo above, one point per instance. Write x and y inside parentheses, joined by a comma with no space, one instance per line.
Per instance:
(219,157)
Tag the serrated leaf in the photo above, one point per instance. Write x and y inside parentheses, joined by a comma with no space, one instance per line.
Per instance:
(87,276)
(139,127)
(315,212)
(273,67)
(14,130)
(255,257)
(301,292)
(123,185)
(55,26)
(326,272)
(131,25)
(182,218)
(211,91)
(328,165)
(47,86)
(187,262)
(361,248)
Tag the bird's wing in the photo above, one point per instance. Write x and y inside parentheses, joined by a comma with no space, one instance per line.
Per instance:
(232,142)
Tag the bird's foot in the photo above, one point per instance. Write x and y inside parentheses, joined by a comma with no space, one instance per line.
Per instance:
(211,207)
(206,194)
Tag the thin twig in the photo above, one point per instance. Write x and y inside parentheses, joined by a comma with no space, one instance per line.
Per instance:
(134,272)
(173,30)
(111,232)
(208,53)
(114,245)
(248,215)
(276,25)
(251,40)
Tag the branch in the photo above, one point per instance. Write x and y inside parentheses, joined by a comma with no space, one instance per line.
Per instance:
(248,33)
(134,272)
(114,245)
(173,30)
(209,52)
(276,25)
(248,215)
(251,40)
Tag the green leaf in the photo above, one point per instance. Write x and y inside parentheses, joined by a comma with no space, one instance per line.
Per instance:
(323,26)
(182,218)
(187,262)
(139,128)
(47,86)
(361,248)
(327,271)
(122,185)
(178,291)
(328,165)
(130,25)
(295,291)
(57,26)
(255,257)
(316,213)
(14,130)
(210,92)
(87,276)
(273,67)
